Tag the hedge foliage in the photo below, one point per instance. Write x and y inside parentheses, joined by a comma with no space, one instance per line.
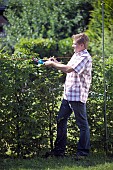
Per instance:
(44,48)
(28,105)
(30,95)
(30,99)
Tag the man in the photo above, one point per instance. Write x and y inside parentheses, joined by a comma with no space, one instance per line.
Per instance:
(76,91)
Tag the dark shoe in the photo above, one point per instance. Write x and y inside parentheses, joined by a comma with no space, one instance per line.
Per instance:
(80,157)
(49,154)
(52,153)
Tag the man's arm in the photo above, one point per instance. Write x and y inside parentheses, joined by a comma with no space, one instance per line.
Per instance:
(64,68)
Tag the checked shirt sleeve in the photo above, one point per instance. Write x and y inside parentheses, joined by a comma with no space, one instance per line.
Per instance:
(80,64)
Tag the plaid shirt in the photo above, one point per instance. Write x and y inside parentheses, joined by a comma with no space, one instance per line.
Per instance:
(78,82)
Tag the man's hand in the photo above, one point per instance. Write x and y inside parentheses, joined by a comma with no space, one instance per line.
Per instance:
(49,63)
(53,59)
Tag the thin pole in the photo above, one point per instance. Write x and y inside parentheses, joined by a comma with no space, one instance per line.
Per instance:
(104,81)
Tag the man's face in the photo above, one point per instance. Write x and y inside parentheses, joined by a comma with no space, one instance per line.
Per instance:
(78,47)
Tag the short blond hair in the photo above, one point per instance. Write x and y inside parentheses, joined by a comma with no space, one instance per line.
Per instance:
(81,38)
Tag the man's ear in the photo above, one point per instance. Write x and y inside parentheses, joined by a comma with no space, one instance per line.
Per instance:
(82,45)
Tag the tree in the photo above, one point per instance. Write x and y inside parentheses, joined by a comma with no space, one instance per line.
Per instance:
(46,18)
(99,78)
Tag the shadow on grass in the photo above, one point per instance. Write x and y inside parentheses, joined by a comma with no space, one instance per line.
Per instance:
(53,163)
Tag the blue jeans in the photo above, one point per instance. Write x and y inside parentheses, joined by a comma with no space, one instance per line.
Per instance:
(79,109)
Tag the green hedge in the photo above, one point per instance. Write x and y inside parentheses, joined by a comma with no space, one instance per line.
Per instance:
(38,47)
(45,48)
(28,105)
(30,97)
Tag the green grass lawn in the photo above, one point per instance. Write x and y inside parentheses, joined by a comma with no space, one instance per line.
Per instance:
(93,162)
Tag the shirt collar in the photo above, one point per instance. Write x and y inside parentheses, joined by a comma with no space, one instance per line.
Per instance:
(81,52)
